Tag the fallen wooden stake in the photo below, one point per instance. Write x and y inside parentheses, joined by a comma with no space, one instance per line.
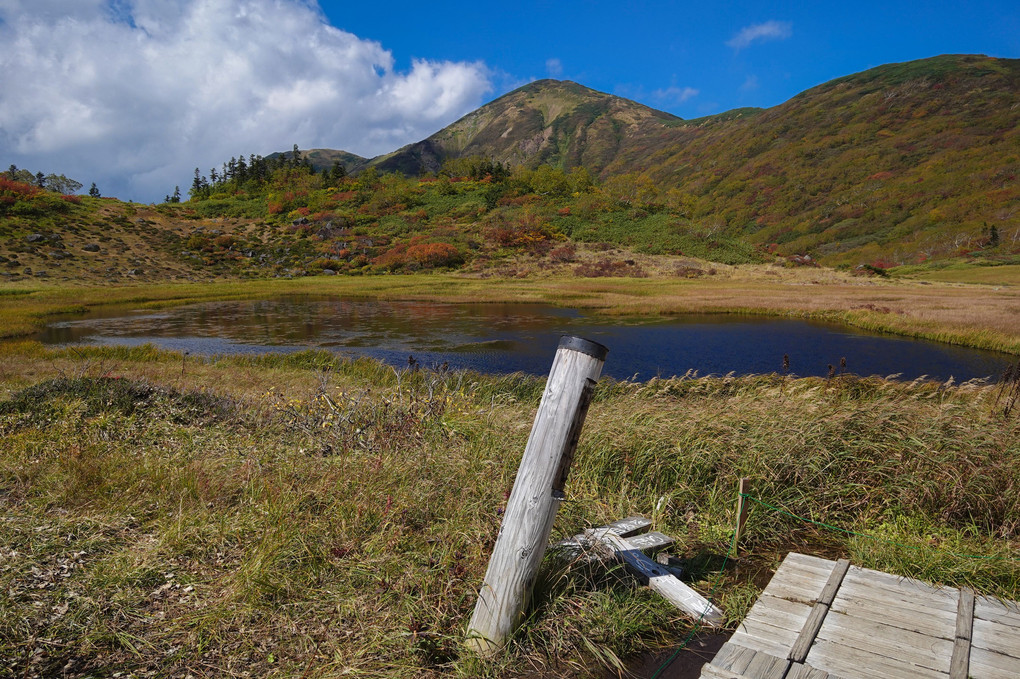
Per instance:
(632,529)
(659,579)
(632,525)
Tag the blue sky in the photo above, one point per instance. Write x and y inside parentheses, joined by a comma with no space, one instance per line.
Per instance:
(659,53)
(134,94)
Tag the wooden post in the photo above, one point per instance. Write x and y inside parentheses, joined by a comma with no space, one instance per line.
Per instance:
(743,487)
(537,493)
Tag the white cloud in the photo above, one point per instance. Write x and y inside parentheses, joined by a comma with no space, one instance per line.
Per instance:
(674,96)
(750,84)
(554,67)
(770,30)
(133,94)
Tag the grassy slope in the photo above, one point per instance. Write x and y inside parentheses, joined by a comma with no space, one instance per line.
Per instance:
(898,164)
(225,517)
(901,163)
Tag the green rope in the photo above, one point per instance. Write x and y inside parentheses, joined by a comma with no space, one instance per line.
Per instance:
(697,623)
(872,537)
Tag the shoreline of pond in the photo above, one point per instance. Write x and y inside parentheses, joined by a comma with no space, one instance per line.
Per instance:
(506,338)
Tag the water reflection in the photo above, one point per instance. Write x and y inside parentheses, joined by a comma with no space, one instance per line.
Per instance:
(523,337)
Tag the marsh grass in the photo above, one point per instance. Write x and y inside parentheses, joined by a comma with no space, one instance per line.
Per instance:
(304,515)
(978,316)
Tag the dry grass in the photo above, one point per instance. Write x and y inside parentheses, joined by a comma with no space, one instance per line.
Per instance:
(305,516)
(1008,274)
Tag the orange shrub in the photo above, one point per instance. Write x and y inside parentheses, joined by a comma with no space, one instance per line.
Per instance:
(434,254)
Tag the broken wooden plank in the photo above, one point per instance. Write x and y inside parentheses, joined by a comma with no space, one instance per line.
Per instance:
(658,578)
(625,528)
(817,616)
(631,529)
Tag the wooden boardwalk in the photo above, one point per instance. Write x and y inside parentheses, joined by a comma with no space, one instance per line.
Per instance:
(821,619)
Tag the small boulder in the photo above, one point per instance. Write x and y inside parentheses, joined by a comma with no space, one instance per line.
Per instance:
(91,247)
(328,272)
(35,238)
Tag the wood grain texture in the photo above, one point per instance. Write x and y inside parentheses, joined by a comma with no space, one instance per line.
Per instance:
(658,578)
(817,616)
(960,663)
(531,508)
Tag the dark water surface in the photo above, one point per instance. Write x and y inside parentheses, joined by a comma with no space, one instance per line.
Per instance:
(501,338)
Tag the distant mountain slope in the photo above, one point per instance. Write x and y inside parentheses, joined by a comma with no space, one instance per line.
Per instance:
(924,154)
(909,161)
(551,122)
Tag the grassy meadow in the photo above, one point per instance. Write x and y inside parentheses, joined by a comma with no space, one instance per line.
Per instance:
(309,516)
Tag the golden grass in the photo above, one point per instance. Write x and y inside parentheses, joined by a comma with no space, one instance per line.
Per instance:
(1008,274)
(167,516)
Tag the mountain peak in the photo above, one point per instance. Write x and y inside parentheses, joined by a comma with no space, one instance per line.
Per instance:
(553,122)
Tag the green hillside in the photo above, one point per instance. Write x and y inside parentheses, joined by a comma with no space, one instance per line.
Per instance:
(900,164)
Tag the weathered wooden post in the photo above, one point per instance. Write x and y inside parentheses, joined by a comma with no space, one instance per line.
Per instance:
(742,489)
(537,493)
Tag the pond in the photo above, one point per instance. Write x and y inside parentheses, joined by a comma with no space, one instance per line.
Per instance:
(502,338)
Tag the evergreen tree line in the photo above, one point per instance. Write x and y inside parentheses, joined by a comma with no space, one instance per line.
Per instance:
(253,175)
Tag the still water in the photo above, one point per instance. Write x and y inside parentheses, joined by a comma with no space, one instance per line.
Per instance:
(501,338)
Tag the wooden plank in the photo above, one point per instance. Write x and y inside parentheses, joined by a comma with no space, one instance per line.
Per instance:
(710,671)
(763,629)
(650,542)
(659,579)
(880,605)
(809,561)
(882,640)
(798,581)
(941,596)
(724,656)
(942,605)
(996,637)
(632,529)
(809,571)
(802,671)
(750,662)
(758,643)
(740,658)
(986,664)
(818,613)
(853,661)
(783,613)
(958,666)
(767,666)
(994,610)
(632,525)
